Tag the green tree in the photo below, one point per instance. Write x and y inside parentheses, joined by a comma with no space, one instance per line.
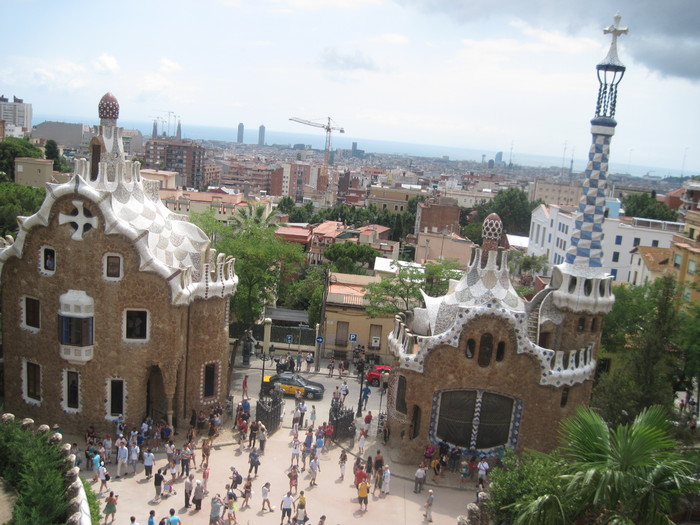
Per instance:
(10,149)
(348,257)
(628,474)
(514,209)
(59,161)
(402,291)
(305,292)
(17,200)
(252,216)
(262,262)
(646,206)
(474,232)
(285,205)
(438,274)
(521,264)
(216,230)
(645,360)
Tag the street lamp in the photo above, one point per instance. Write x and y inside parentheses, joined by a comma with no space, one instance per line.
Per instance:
(361,366)
(260,354)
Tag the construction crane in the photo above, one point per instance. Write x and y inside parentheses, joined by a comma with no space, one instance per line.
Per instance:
(329,128)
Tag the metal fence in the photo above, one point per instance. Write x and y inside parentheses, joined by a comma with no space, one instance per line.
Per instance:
(342,419)
(269,410)
(300,335)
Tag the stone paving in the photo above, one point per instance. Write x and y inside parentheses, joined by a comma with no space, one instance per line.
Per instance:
(335,498)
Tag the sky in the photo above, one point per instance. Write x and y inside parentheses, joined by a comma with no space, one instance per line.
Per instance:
(478,74)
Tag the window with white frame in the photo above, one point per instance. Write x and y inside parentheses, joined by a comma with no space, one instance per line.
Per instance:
(136,325)
(116,395)
(47,260)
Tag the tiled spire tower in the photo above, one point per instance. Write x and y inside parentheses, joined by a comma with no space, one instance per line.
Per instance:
(586,241)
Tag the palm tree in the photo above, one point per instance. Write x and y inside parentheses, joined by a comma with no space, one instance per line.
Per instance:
(630,474)
(252,217)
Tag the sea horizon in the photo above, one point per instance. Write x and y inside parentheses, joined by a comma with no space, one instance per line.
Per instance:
(317,141)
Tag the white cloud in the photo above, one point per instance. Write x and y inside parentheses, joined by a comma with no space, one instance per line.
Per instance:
(325,4)
(391,38)
(60,73)
(169,66)
(106,64)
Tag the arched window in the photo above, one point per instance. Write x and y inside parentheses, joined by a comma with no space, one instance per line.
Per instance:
(500,351)
(572,284)
(593,324)
(587,287)
(471,348)
(581,324)
(415,422)
(485,350)
(564,397)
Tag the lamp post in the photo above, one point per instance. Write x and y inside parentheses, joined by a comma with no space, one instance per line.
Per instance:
(263,356)
(362,383)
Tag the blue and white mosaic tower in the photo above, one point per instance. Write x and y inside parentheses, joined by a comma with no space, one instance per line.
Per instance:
(586,242)
(582,284)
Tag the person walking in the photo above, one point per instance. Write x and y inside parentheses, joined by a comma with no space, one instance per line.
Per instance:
(158,484)
(247,492)
(104,476)
(189,485)
(134,453)
(245,386)
(149,460)
(312,417)
(110,506)
(198,495)
(314,469)
(342,462)
(419,479)
(287,505)
(253,436)
(429,506)
(122,459)
(483,467)
(262,437)
(254,460)
(266,496)
(215,512)
(363,493)
(387,480)
(174,519)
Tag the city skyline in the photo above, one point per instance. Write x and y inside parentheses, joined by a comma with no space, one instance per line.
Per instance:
(480,76)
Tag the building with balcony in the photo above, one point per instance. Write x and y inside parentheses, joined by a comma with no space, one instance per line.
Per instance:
(550,229)
(184,157)
(331,232)
(16,114)
(686,253)
(112,304)
(346,323)
(649,263)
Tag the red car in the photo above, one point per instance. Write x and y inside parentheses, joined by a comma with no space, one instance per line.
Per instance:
(374,376)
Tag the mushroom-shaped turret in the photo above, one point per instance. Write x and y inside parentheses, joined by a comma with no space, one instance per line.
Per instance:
(491,232)
(108,108)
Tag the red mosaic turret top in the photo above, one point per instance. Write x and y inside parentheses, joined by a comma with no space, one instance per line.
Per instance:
(108,108)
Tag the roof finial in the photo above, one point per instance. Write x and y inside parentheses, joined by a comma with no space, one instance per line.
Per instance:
(615,30)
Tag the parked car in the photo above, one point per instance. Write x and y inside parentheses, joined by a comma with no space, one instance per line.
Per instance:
(291,383)
(374,376)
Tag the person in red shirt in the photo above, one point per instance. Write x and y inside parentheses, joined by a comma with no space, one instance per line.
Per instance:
(368,420)
(360,476)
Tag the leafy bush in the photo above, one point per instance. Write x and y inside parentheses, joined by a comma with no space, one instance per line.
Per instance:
(95,513)
(36,469)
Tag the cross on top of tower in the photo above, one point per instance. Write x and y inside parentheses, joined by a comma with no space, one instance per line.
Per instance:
(615,30)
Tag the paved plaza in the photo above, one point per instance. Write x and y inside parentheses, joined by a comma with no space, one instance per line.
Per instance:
(335,498)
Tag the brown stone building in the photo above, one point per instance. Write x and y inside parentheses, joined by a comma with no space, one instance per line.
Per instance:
(183,156)
(480,368)
(112,304)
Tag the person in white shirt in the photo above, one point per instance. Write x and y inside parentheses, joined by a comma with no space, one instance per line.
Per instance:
(122,458)
(287,505)
(134,457)
(483,468)
(149,460)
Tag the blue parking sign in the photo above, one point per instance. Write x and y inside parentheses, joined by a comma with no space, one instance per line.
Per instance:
(353,338)
(290,339)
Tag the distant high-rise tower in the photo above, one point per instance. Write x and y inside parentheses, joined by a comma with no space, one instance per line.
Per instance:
(499,157)
(240,133)
(16,113)
(261,136)
(154,134)
(178,133)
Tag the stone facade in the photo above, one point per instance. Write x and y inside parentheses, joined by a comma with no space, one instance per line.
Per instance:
(111,303)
